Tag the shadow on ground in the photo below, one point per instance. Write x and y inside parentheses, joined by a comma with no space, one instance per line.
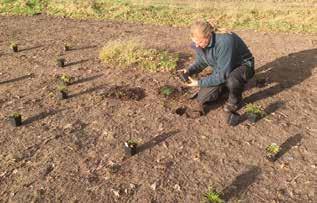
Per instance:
(284,73)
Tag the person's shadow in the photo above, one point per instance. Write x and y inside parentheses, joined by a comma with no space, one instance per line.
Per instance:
(285,72)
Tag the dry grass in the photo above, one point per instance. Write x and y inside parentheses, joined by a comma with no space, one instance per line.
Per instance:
(132,53)
(268,15)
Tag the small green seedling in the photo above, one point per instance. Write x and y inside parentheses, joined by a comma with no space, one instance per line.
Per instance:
(16,119)
(254,112)
(66,47)
(273,149)
(213,196)
(16,115)
(132,143)
(130,147)
(62,88)
(62,92)
(66,79)
(167,90)
(14,46)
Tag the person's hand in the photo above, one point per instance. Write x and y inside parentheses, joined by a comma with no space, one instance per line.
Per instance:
(182,71)
(192,83)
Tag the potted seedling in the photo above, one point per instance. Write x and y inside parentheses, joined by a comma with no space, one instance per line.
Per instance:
(167,90)
(271,151)
(184,77)
(16,119)
(61,62)
(14,47)
(66,47)
(130,147)
(62,92)
(254,113)
(66,79)
(213,196)
(233,119)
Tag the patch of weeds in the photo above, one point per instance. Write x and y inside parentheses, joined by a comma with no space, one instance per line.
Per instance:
(271,151)
(273,148)
(24,7)
(264,15)
(167,90)
(132,53)
(213,196)
(14,46)
(254,112)
(66,79)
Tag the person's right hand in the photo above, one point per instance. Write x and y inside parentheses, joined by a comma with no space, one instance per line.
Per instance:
(182,70)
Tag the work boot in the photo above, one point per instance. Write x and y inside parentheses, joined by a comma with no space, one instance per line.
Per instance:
(229,107)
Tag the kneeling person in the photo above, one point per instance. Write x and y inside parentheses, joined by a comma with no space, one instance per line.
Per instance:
(231,61)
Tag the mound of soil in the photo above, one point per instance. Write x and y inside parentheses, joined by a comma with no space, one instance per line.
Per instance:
(125,93)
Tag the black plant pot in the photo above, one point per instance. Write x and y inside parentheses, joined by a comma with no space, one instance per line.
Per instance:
(253,118)
(16,121)
(61,62)
(271,157)
(184,77)
(130,150)
(62,95)
(67,48)
(233,119)
(15,48)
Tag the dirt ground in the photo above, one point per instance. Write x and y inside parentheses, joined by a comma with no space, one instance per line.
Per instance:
(72,150)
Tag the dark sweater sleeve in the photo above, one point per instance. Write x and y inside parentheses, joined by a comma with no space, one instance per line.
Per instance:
(223,67)
(197,66)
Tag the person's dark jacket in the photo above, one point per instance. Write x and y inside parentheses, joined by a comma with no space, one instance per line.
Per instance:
(225,52)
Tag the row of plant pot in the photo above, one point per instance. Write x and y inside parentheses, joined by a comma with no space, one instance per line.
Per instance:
(60,62)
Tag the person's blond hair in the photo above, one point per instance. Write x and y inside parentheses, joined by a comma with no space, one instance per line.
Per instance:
(204,28)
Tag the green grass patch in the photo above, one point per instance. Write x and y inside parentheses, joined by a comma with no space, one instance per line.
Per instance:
(264,15)
(254,109)
(273,148)
(167,90)
(212,196)
(133,53)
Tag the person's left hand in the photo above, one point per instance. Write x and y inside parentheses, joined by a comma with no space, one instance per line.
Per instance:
(192,83)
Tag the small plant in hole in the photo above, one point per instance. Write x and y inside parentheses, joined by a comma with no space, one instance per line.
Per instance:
(167,91)
(272,150)
(62,92)
(66,79)
(213,196)
(16,119)
(130,147)
(60,62)
(14,46)
(254,112)
(67,47)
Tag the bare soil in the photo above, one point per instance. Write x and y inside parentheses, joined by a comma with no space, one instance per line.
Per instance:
(72,150)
